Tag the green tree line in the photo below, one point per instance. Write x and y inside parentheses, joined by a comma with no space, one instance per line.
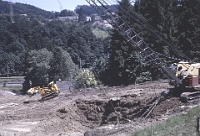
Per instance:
(65,45)
(177,21)
(30,35)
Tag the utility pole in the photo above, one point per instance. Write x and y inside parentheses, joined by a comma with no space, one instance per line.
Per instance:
(11,12)
(80,63)
(7,69)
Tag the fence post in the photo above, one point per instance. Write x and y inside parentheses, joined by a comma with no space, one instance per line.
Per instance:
(198,125)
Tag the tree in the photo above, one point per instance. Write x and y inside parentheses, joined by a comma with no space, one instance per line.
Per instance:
(189,28)
(20,8)
(65,12)
(123,59)
(33,32)
(8,62)
(162,15)
(44,66)
(81,15)
(62,66)
(38,66)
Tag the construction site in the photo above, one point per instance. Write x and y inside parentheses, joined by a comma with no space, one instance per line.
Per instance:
(61,109)
(109,111)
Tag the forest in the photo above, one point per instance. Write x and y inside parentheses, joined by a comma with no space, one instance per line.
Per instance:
(43,50)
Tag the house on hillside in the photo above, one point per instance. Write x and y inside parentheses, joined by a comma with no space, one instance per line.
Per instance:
(72,18)
(23,15)
(92,18)
(103,24)
(95,17)
(88,19)
(107,25)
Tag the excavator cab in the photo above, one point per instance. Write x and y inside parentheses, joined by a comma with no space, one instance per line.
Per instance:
(188,73)
(53,87)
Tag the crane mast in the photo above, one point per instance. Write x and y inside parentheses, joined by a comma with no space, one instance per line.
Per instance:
(134,39)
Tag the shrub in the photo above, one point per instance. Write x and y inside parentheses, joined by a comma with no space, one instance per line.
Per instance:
(85,79)
(144,76)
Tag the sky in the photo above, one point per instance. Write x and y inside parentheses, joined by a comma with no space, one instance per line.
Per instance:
(53,5)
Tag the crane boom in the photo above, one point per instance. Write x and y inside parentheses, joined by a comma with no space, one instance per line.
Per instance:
(133,17)
(186,81)
(134,39)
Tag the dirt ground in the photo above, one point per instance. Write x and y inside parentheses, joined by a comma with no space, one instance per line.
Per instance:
(108,111)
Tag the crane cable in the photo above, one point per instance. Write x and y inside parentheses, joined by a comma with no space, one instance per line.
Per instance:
(151,29)
(117,113)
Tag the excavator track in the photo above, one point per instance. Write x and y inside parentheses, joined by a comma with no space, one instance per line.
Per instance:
(188,96)
(46,97)
(49,96)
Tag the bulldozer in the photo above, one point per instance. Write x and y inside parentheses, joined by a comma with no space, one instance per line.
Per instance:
(46,92)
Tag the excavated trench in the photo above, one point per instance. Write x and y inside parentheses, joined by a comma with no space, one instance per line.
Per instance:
(121,110)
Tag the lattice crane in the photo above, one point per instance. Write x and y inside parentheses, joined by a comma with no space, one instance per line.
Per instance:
(187,77)
(134,39)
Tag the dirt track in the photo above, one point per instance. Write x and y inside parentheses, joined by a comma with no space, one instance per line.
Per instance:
(115,111)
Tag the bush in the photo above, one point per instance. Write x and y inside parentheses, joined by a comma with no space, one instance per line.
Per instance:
(86,79)
(144,76)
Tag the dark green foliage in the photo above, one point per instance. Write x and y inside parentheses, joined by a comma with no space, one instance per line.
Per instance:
(19,8)
(177,21)
(38,66)
(115,61)
(33,33)
(123,61)
(159,15)
(88,10)
(65,12)
(189,28)
(62,66)
(81,15)
(43,66)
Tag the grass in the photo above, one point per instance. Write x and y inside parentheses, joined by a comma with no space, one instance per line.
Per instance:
(100,33)
(14,79)
(13,88)
(11,79)
(178,125)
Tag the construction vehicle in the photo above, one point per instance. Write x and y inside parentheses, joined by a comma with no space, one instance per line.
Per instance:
(189,75)
(185,79)
(46,92)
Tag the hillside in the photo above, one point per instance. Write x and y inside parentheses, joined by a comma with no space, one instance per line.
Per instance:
(20,8)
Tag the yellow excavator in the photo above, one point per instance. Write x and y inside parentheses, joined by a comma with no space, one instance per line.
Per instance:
(46,92)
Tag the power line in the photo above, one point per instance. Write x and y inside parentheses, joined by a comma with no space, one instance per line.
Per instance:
(61,8)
